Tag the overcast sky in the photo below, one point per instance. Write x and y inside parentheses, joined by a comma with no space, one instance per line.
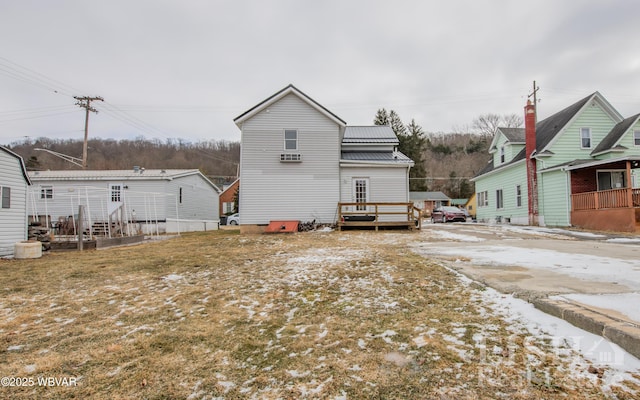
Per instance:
(185,68)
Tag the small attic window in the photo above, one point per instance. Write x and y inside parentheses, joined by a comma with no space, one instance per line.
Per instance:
(502,155)
(290,139)
(636,138)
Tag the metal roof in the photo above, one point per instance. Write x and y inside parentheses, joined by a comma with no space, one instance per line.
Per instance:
(370,134)
(385,156)
(114,173)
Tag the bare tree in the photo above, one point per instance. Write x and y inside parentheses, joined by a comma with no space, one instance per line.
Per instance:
(486,124)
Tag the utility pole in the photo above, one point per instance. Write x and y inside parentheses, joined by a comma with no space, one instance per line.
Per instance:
(85,102)
(535,99)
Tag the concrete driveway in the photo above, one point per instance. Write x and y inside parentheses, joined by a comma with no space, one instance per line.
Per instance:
(591,280)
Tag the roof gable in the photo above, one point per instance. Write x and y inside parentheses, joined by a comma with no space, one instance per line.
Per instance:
(511,135)
(23,168)
(279,95)
(612,139)
(548,129)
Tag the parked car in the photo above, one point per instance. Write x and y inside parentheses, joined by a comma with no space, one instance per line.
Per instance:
(448,214)
(233,219)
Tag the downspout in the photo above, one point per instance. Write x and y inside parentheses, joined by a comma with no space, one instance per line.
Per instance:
(569,206)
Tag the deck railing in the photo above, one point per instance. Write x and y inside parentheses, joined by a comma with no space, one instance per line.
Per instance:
(379,214)
(614,198)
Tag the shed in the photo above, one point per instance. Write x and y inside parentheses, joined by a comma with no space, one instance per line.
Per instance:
(14,183)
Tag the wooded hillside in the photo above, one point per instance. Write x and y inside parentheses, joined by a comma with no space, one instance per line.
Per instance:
(450,160)
(218,160)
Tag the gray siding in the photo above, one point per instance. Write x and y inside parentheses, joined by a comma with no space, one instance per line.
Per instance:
(275,190)
(13,220)
(148,199)
(199,199)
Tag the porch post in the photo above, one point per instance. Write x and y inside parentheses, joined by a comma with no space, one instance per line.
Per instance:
(629,188)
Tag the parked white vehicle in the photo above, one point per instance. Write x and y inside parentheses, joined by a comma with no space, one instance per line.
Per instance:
(233,219)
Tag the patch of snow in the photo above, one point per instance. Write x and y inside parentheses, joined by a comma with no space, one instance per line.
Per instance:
(17,347)
(562,335)
(625,303)
(582,266)
(456,236)
(295,374)
(623,240)
(29,369)
(173,277)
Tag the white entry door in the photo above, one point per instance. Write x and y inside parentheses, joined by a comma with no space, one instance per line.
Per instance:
(115,196)
(360,192)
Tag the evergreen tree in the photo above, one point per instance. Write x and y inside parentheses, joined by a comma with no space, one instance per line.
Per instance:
(382,117)
(413,145)
(396,124)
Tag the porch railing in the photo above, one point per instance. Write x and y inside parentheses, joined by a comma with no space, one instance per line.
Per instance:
(614,198)
(379,214)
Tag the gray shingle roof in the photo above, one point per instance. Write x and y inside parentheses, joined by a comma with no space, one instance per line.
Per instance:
(546,130)
(370,134)
(514,135)
(616,133)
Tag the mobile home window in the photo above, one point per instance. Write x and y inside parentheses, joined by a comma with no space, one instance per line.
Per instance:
(290,139)
(499,199)
(518,196)
(636,138)
(180,196)
(116,193)
(6,197)
(46,192)
(585,138)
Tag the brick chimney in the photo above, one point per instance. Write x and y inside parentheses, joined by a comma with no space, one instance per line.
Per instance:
(530,148)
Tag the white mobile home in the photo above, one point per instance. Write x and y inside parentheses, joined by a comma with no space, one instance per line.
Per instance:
(14,182)
(158,200)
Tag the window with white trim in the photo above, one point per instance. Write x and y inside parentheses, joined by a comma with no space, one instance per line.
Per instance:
(46,192)
(636,138)
(502,155)
(228,207)
(499,199)
(290,140)
(518,196)
(483,199)
(6,196)
(585,138)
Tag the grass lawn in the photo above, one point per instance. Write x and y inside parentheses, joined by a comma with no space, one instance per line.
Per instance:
(351,315)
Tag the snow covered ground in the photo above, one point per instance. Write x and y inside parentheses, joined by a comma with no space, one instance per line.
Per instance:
(475,248)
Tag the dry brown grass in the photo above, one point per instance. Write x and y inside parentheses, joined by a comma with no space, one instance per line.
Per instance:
(218,314)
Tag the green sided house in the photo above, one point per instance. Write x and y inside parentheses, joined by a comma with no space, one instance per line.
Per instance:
(578,167)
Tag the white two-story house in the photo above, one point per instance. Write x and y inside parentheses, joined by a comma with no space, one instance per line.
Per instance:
(298,161)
